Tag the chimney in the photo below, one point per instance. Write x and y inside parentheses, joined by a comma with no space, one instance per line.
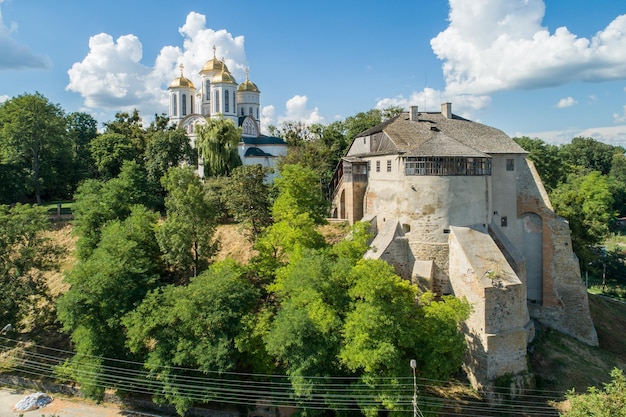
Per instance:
(413,114)
(446,110)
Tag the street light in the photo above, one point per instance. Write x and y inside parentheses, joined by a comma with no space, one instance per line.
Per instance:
(416,410)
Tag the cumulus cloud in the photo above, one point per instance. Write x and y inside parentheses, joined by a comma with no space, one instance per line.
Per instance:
(430,100)
(566,102)
(296,109)
(4,98)
(113,76)
(15,56)
(494,45)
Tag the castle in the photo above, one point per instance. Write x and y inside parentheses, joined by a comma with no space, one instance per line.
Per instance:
(221,96)
(457,208)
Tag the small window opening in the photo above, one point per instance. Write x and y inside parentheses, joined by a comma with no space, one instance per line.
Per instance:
(503,221)
(510,164)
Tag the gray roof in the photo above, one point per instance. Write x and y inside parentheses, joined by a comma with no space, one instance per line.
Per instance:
(435,135)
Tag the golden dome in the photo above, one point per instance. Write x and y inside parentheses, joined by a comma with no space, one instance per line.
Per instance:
(182,81)
(248,85)
(212,65)
(225,76)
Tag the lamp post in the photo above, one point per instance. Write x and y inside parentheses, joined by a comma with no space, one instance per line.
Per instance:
(416,410)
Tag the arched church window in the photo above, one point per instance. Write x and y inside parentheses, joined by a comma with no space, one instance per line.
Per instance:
(257,113)
(242,111)
(191,104)
(217,102)
(174,106)
(226,102)
(207,90)
(250,111)
(184,105)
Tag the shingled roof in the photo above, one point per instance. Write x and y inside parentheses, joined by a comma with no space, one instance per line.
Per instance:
(433,134)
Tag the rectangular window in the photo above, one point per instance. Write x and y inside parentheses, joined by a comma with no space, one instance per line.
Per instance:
(503,221)
(388,165)
(510,164)
(364,141)
(377,166)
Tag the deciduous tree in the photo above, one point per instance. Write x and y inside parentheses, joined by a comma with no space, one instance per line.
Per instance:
(33,138)
(217,144)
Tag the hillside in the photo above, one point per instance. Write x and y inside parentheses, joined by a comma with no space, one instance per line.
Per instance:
(558,362)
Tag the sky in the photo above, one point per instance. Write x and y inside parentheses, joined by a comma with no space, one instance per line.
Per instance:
(552,69)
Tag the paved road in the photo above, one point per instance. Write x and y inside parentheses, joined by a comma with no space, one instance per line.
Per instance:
(61,407)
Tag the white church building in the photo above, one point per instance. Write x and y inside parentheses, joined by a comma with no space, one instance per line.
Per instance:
(221,96)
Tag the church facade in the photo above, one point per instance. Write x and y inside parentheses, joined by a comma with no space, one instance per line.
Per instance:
(220,95)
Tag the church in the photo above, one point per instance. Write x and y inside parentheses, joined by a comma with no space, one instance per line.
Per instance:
(220,95)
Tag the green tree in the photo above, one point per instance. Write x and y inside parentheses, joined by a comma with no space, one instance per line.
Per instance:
(385,329)
(100,202)
(186,235)
(33,138)
(109,151)
(25,255)
(299,192)
(166,149)
(248,199)
(82,128)
(607,402)
(192,327)
(590,154)
(103,288)
(217,145)
(129,125)
(586,202)
(362,121)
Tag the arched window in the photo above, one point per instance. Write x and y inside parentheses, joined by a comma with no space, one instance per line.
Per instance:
(174,106)
(184,105)
(242,111)
(257,113)
(226,102)
(217,102)
(191,103)
(250,111)
(207,90)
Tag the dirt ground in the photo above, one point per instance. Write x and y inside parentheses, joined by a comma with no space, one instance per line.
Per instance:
(61,407)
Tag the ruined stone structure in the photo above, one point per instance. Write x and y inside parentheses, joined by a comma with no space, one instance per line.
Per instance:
(458,209)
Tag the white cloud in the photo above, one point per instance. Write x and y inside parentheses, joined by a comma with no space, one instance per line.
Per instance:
(113,77)
(620,118)
(494,45)
(430,100)
(612,135)
(4,98)
(296,110)
(566,102)
(15,56)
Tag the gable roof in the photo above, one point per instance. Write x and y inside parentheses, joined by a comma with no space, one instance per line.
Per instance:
(433,134)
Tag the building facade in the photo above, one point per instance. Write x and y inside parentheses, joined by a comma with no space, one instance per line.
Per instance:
(458,209)
(220,95)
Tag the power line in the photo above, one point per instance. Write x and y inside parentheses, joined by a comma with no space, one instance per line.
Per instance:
(344,393)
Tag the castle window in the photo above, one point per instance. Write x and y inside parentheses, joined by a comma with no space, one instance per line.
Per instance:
(174,105)
(226,102)
(448,166)
(377,166)
(184,105)
(217,102)
(388,165)
(510,165)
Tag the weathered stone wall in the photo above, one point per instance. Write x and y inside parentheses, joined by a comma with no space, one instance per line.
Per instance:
(497,329)
(565,304)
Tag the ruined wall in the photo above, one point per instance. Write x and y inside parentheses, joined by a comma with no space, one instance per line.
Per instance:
(565,304)
(498,328)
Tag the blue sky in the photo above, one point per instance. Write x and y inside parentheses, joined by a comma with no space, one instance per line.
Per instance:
(551,69)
